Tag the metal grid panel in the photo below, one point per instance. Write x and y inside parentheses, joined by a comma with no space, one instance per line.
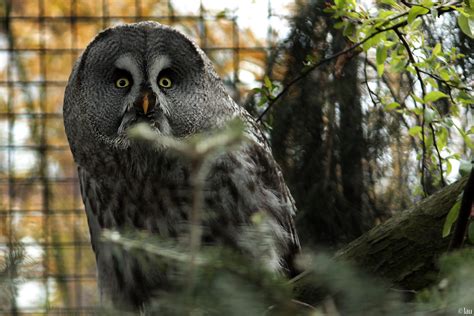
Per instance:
(41,213)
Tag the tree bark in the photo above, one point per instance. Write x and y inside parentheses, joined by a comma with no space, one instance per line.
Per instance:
(404,250)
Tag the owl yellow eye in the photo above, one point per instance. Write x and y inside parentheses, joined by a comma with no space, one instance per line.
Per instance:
(165,82)
(122,83)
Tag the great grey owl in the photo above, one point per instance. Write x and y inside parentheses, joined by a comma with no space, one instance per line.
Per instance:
(148,72)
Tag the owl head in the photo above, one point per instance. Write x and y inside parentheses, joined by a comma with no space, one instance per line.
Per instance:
(143,72)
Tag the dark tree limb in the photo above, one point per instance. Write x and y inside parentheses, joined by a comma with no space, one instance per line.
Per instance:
(460,229)
(404,250)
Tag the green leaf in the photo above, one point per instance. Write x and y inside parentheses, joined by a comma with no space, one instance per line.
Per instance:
(432,82)
(416,11)
(392,3)
(434,95)
(429,115)
(442,137)
(465,167)
(466,137)
(449,167)
(411,69)
(447,122)
(466,24)
(416,24)
(428,144)
(339,25)
(444,74)
(397,64)
(381,56)
(329,10)
(262,101)
(373,41)
(414,131)
(385,14)
(427,3)
(417,98)
(344,4)
(349,29)
(392,106)
(437,49)
(267,82)
(465,98)
(451,218)
(417,110)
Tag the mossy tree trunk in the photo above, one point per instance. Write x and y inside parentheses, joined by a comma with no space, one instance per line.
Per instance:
(404,250)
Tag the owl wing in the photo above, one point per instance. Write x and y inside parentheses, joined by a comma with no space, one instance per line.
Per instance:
(91,204)
(263,142)
(273,178)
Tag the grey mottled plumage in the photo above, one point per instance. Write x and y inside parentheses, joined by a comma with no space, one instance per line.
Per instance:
(147,72)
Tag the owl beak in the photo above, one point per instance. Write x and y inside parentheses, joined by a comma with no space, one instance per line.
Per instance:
(146,102)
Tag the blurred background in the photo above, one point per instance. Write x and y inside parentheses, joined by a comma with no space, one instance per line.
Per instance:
(349,161)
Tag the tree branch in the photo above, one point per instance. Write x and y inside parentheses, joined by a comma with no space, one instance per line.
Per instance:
(396,97)
(423,91)
(460,229)
(423,105)
(441,10)
(405,248)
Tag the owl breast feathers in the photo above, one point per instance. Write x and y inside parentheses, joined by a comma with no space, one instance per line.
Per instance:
(153,74)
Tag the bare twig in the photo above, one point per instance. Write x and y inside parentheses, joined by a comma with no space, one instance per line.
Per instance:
(319,64)
(446,82)
(396,97)
(423,91)
(366,81)
(440,161)
(423,105)
(305,305)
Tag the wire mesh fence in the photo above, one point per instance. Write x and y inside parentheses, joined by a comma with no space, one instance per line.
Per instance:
(46,262)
